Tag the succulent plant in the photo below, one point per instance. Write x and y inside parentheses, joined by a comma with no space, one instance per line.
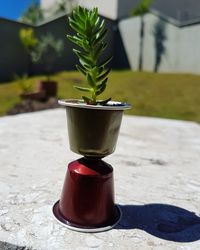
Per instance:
(90,38)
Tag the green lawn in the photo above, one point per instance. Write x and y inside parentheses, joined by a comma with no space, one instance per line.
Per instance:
(175,96)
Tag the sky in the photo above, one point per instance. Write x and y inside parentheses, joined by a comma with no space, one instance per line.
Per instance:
(12,9)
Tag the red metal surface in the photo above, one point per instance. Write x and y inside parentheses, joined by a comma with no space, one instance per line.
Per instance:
(85,228)
(88,194)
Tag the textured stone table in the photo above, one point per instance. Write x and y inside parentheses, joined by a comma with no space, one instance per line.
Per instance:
(157,184)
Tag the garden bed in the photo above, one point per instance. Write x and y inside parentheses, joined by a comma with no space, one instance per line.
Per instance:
(32,105)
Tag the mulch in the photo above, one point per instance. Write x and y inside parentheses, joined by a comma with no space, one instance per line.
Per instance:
(33,105)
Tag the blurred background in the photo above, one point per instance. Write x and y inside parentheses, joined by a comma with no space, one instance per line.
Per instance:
(154,43)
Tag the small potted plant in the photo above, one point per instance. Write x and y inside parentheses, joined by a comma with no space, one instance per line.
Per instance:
(29,41)
(87,200)
(43,51)
(26,87)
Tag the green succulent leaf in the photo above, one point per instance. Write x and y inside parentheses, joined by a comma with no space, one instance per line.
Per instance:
(100,70)
(75,40)
(99,37)
(100,49)
(94,15)
(83,89)
(81,13)
(101,89)
(103,102)
(104,75)
(97,21)
(86,46)
(95,72)
(76,27)
(104,63)
(88,28)
(82,70)
(90,80)
(85,65)
(82,57)
(102,83)
(77,18)
(79,52)
(88,100)
(99,28)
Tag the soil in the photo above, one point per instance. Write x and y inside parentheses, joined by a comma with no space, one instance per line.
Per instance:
(32,105)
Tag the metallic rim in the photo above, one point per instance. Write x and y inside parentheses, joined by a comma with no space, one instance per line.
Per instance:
(112,105)
(82,229)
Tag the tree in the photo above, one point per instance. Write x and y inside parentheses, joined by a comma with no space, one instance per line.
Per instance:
(46,51)
(33,14)
(140,10)
(29,41)
(43,50)
(62,7)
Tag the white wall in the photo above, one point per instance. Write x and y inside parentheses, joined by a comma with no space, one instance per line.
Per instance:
(107,8)
(129,29)
(182,45)
(47,3)
(113,9)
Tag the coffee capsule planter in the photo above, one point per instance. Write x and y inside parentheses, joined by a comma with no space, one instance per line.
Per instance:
(87,199)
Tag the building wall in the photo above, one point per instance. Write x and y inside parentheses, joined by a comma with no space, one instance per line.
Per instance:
(15,60)
(125,7)
(106,8)
(59,28)
(112,9)
(179,48)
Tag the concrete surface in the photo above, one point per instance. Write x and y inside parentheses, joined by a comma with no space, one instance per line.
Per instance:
(156,166)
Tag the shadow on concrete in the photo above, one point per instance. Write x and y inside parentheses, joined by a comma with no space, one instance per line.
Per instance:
(8,246)
(161,220)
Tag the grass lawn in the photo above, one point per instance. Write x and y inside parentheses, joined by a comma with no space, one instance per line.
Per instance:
(175,96)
